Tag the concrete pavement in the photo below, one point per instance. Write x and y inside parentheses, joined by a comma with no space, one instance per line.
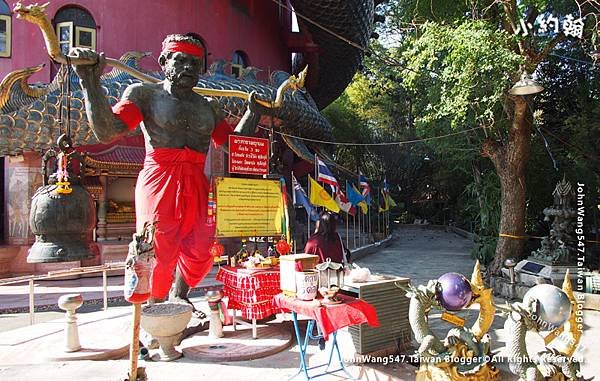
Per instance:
(418,253)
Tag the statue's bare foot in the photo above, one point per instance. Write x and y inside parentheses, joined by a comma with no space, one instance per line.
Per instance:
(179,294)
(195,312)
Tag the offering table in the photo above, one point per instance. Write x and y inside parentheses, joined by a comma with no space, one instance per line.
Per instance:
(328,318)
(250,291)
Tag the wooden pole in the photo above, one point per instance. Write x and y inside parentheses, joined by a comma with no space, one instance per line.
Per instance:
(134,349)
(387,226)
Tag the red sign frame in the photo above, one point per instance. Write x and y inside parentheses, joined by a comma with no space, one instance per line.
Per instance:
(248,155)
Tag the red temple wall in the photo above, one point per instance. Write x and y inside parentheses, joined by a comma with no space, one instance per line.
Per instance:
(142,25)
(127,25)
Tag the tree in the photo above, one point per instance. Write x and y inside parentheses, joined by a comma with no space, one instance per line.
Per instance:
(460,59)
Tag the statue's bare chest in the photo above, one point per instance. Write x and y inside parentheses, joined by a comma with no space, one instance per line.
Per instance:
(175,123)
(182,116)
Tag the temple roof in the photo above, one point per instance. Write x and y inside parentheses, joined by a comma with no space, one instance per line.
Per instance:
(117,157)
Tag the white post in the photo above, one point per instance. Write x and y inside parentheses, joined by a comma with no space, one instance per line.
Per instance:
(215,327)
(70,303)
(31,302)
(105,289)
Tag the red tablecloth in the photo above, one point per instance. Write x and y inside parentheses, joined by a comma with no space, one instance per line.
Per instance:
(331,317)
(251,291)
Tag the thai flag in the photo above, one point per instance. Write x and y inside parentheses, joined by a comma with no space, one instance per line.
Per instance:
(324,175)
(364,187)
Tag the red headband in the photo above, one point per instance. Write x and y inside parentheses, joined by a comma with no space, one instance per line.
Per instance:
(183,47)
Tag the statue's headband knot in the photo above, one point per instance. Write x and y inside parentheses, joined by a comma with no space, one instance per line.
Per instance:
(183,47)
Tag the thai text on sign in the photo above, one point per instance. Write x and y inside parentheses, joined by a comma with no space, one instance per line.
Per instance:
(248,207)
(248,155)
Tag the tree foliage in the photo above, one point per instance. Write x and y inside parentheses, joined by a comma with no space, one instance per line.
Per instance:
(444,67)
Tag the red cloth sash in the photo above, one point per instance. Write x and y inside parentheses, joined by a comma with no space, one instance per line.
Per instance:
(172,187)
(128,112)
(221,133)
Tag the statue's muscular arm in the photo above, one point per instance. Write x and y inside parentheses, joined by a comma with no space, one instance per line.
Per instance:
(105,125)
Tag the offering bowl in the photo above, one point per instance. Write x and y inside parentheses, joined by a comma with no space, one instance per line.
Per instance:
(329,294)
(166,323)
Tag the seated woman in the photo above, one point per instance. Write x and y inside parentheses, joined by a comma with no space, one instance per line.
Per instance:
(326,242)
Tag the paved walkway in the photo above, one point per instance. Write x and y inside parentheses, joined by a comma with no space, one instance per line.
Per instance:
(414,252)
(421,254)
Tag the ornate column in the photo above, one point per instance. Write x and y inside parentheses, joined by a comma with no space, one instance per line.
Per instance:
(102,208)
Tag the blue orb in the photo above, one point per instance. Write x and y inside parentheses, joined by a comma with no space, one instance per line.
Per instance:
(553,306)
(455,292)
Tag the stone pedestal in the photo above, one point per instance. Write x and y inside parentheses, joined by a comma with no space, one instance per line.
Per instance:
(531,272)
(70,303)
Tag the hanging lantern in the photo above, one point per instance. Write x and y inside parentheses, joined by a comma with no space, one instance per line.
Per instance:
(330,274)
(62,214)
(216,250)
(283,247)
(526,86)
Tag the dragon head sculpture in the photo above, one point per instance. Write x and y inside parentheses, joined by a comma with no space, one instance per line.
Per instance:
(33,13)
(297,83)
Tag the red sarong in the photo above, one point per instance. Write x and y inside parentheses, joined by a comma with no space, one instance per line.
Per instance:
(173,190)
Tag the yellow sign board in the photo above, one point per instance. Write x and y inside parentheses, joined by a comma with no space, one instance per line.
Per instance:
(248,207)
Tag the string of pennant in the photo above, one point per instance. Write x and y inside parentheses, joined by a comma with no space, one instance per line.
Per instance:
(395,143)
(347,202)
